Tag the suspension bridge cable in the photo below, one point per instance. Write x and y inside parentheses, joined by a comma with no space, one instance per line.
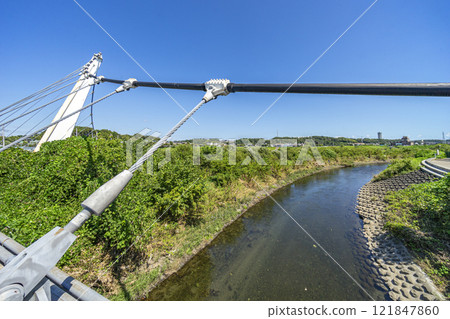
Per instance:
(92,111)
(29,108)
(165,85)
(394,89)
(16,109)
(99,200)
(28,119)
(158,144)
(64,79)
(79,122)
(42,120)
(60,120)
(36,125)
(214,88)
(42,106)
(38,98)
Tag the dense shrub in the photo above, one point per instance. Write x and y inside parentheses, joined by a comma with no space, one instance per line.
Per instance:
(397,167)
(42,190)
(422,206)
(420,216)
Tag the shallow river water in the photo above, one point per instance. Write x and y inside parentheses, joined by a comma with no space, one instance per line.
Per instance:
(265,255)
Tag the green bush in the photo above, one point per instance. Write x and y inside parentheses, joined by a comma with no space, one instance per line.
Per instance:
(397,167)
(422,206)
(420,216)
(42,190)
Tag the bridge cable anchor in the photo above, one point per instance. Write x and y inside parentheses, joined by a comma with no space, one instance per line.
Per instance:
(214,88)
(126,85)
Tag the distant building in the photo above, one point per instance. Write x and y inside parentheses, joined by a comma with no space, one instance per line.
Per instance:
(406,141)
(380,135)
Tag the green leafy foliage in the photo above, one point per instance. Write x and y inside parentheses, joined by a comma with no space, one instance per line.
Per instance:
(45,189)
(42,190)
(420,216)
(397,167)
(423,207)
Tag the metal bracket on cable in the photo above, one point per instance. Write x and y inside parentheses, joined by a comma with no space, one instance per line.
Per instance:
(98,79)
(214,88)
(126,85)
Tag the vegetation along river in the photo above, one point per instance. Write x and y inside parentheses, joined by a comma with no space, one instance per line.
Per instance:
(264,255)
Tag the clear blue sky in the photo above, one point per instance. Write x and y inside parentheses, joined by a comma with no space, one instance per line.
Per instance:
(245,41)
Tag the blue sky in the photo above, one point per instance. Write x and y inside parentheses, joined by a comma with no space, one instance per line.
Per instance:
(244,41)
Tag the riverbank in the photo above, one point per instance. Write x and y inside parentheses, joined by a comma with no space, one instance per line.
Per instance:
(192,240)
(161,216)
(162,266)
(404,279)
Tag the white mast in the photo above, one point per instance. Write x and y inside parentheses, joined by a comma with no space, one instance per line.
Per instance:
(73,102)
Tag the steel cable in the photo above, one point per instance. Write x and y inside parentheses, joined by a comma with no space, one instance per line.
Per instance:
(30,118)
(56,122)
(38,98)
(64,79)
(42,106)
(394,89)
(158,144)
(92,111)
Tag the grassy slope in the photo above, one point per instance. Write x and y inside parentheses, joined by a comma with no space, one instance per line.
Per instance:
(399,167)
(420,217)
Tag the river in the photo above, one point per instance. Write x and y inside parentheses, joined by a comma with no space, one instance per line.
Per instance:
(265,255)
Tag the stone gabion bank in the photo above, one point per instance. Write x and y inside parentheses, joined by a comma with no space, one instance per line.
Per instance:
(403,278)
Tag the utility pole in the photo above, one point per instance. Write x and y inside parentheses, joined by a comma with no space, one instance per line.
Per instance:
(3,135)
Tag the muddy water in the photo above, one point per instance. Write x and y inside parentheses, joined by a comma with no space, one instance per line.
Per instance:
(265,255)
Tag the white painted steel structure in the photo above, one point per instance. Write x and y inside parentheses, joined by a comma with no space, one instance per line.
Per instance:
(73,102)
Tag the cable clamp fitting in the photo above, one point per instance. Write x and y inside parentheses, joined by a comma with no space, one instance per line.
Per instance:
(85,73)
(98,79)
(214,88)
(85,70)
(126,85)
(98,56)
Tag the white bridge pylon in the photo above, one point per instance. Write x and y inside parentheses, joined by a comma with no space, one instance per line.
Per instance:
(73,102)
